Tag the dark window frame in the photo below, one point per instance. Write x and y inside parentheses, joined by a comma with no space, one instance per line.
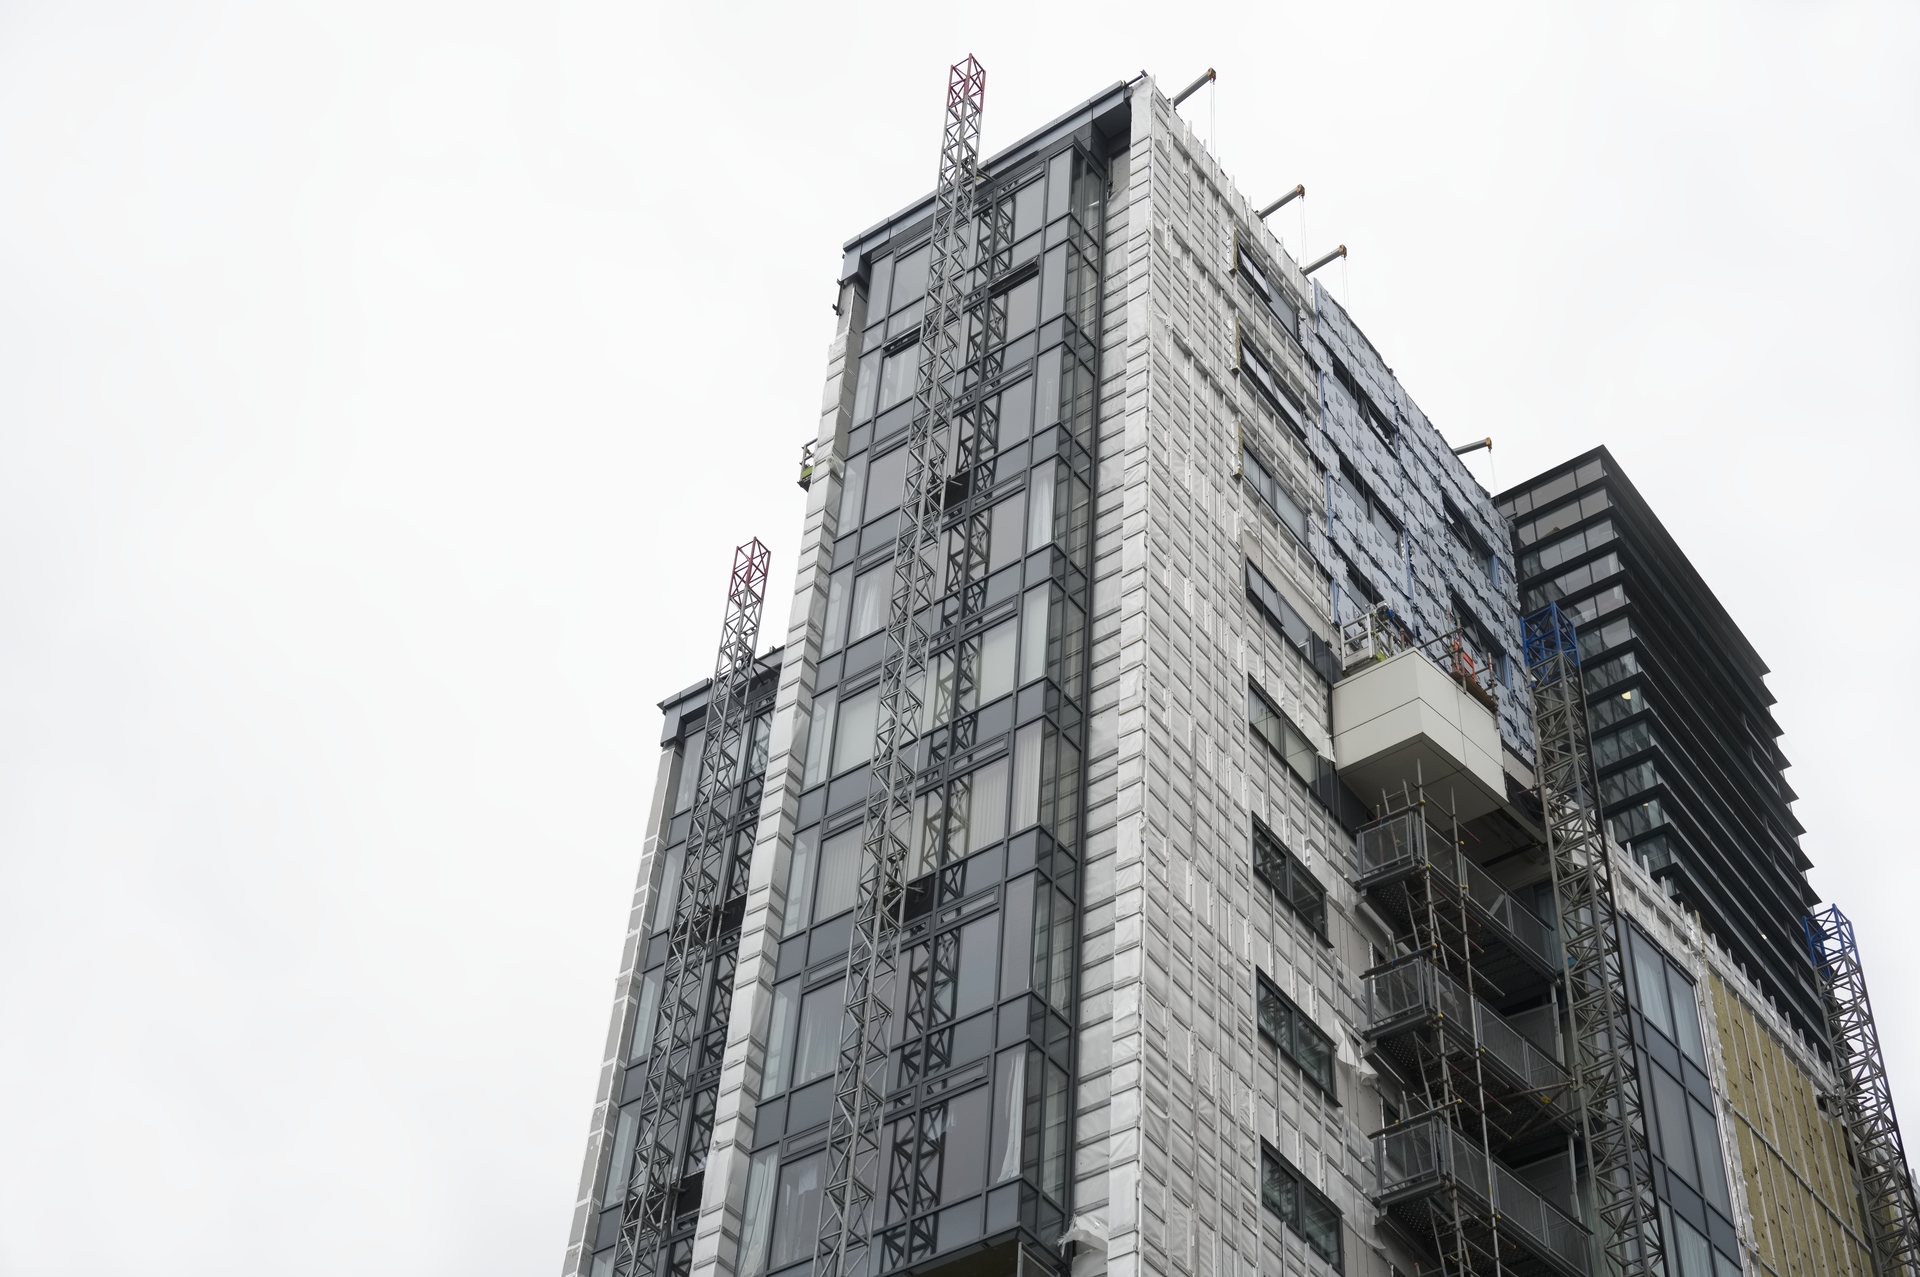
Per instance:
(1250,458)
(1276,865)
(1284,1192)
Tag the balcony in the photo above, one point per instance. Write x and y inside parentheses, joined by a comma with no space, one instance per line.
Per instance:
(1403,845)
(1416,1005)
(1402,719)
(1427,1169)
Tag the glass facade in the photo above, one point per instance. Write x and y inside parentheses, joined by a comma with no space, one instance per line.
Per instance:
(1689,1175)
(1683,738)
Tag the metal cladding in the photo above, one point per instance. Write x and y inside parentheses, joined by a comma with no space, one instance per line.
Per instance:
(699,921)
(1892,1222)
(1613,1110)
(853,1138)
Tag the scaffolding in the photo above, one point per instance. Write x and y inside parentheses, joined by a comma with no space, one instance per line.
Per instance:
(1606,1075)
(701,943)
(853,1132)
(1484,1091)
(1864,1096)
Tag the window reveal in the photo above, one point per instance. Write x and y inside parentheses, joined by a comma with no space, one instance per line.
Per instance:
(1291,1029)
(1290,878)
(1287,1195)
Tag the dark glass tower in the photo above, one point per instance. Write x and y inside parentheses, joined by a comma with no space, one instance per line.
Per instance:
(1684,738)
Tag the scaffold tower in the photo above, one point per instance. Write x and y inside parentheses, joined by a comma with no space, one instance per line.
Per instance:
(1865,1098)
(703,936)
(1606,1076)
(853,1132)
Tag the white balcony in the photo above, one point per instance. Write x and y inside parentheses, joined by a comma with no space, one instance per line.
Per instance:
(1401,719)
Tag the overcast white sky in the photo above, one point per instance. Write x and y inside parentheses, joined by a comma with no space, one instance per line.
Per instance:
(383,388)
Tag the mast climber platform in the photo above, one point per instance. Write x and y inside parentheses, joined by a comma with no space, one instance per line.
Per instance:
(702,944)
(1864,1096)
(1613,1113)
(853,1132)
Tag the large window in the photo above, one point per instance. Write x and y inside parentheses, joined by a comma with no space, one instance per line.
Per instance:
(1294,1032)
(1281,736)
(1612,708)
(1261,282)
(1293,627)
(1566,549)
(1681,1129)
(1366,505)
(1260,371)
(1625,743)
(1303,1208)
(1260,477)
(1290,878)
(1565,516)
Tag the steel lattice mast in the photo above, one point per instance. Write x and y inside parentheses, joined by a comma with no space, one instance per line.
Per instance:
(853,1135)
(1606,1077)
(653,1180)
(1893,1223)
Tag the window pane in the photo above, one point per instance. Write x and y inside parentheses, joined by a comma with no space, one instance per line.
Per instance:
(1009,1097)
(898,372)
(1060,990)
(910,278)
(852,492)
(853,734)
(1026,776)
(819,735)
(670,875)
(1016,413)
(620,1169)
(987,806)
(833,631)
(1053,1169)
(800,870)
(1008,533)
(964,1159)
(1706,1149)
(839,875)
(886,480)
(822,1017)
(872,594)
(757,1218)
(1033,634)
(1686,1019)
(997,662)
(877,290)
(1022,302)
(1040,507)
(1676,1137)
(641,1044)
(689,771)
(979,962)
(1650,976)
(866,387)
(781,1030)
(1017,940)
(796,1225)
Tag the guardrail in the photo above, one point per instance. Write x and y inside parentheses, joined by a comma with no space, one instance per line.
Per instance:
(1404,840)
(1421,987)
(1432,1152)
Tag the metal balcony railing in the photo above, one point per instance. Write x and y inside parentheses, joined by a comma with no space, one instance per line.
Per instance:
(1403,842)
(1379,633)
(1430,1156)
(1418,991)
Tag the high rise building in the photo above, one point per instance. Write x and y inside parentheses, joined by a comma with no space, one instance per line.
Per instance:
(1690,770)
(1232,939)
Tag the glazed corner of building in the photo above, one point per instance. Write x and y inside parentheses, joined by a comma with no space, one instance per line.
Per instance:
(1258,483)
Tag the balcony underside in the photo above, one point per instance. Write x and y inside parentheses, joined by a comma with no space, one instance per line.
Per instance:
(1467,1240)
(1413,895)
(1524,1117)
